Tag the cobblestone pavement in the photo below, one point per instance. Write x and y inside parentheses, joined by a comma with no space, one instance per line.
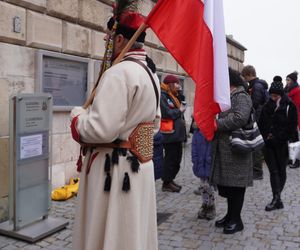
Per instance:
(183,231)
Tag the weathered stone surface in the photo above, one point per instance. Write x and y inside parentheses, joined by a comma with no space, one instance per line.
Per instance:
(62,172)
(76,39)
(3,215)
(4,104)
(61,122)
(16,76)
(66,9)
(44,31)
(58,175)
(70,149)
(7,14)
(235,53)
(94,13)
(180,69)
(152,39)
(71,170)
(159,58)
(16,61)
(171,64)
(98,44)
(145,7)
(56,149)
(233,64)
(148,50)
(39,5)
(164,61)
(189,90)
(4,163)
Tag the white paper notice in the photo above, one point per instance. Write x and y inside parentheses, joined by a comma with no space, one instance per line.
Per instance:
(31,146)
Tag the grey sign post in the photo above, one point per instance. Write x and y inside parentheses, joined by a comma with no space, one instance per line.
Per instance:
(30,169)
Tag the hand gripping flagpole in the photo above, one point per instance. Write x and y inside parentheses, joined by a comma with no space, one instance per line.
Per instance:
(132,40)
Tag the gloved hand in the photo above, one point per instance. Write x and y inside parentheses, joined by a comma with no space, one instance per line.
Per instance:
(77,111)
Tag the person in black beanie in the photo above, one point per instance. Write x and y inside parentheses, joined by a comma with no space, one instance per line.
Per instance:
(277,124)
(258,91)
(293,91)
(277,79)
(293,76)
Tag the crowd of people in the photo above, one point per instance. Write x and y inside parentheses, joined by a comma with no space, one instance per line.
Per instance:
(131,107)
(220,169)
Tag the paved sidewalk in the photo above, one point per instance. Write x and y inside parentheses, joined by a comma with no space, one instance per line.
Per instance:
(183,231)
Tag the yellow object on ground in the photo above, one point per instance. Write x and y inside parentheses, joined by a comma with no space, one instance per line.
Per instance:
(67,191)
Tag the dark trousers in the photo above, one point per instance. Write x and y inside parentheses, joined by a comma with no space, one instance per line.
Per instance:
(257,164)
(276,157)
(172,159)
(235,200)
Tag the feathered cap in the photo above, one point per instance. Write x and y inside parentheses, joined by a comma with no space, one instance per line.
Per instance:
(126,19)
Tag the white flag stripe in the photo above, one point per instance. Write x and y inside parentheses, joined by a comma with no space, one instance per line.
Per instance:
(214,18)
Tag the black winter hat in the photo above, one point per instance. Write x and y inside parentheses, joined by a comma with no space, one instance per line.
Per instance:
(277,79)
(293,76)
(276,88)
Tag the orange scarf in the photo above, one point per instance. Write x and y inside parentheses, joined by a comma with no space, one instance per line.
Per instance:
(175,100)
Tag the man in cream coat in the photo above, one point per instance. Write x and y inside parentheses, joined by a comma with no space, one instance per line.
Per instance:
(116,207)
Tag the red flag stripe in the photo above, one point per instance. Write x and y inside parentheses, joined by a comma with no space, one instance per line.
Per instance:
(181,28)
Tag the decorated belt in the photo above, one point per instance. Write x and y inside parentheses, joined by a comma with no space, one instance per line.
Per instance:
(140,142)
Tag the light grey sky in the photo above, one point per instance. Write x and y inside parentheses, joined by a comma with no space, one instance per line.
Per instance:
(270,30)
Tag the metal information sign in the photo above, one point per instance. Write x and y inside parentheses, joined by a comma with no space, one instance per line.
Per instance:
(66,80)
(30,171)
(65,77)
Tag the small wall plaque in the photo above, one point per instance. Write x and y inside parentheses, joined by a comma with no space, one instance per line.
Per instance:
(17,24)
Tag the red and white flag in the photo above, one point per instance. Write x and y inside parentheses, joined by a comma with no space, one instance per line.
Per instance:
(193,32)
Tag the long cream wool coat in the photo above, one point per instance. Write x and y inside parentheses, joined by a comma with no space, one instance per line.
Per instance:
(117,220)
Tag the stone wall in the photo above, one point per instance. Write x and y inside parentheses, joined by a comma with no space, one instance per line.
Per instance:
(74,27)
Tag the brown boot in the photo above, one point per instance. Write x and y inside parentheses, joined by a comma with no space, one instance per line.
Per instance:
(211,212)
(175,184)
(170,187)
(202,212)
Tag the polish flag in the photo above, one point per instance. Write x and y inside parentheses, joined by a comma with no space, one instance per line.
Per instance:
(193,32)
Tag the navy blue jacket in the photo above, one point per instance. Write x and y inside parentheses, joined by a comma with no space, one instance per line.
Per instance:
(201,155)
(259,95)
(158,155)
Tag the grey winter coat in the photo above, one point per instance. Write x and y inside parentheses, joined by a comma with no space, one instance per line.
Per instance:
(228,168)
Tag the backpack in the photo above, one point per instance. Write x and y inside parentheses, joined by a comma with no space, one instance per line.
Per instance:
(265,91)
(267,96)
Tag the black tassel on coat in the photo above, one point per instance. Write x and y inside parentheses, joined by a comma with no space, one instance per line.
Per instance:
(115,156)
(107,183)
(126,183)
(135,165)
(79,163)
(107,163)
